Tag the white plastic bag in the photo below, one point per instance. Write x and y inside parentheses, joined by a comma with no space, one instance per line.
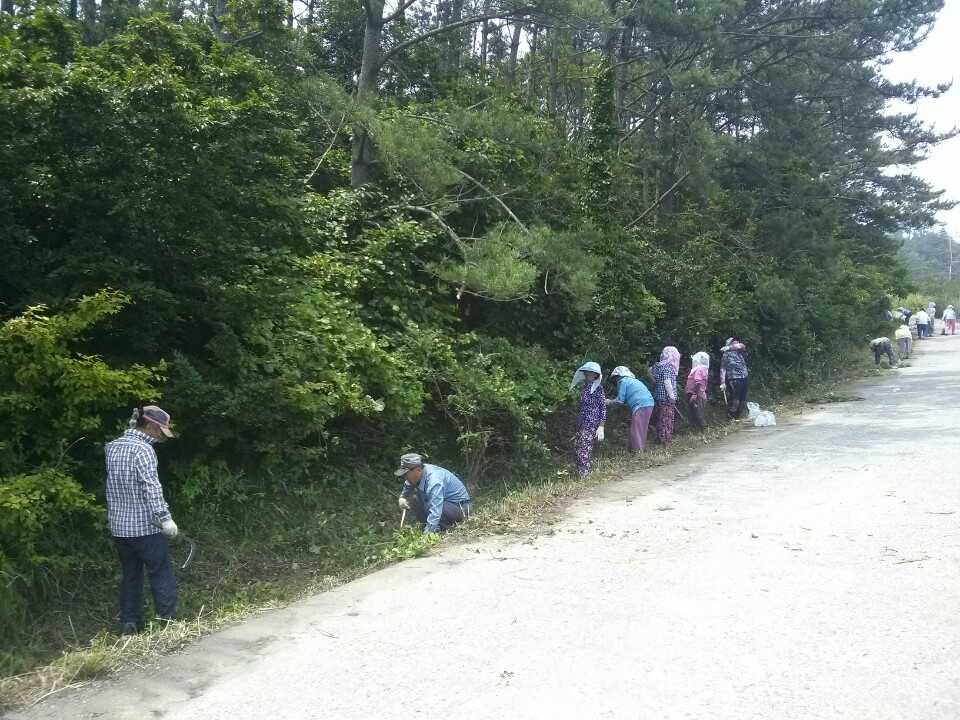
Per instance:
(761,418)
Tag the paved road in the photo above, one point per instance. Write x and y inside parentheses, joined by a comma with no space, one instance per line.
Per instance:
(808,571)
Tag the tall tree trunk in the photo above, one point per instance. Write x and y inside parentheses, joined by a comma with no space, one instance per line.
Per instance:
(622,66)
(552,89)
(610,37)
(215,23)
(74,8)
(532,85)
(6,6)
(89,21)
(454,45)
(511,74)
(484,35)
(361,164)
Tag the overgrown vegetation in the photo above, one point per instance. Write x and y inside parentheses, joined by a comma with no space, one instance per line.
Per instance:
(318,251)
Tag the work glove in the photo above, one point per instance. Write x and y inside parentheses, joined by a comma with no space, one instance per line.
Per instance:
(169,528)
(404,503)
(600,433)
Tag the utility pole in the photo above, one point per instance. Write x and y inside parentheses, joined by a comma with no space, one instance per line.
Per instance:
(950,254)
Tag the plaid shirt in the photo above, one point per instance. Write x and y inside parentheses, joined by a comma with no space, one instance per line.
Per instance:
(134,496)
(663,376)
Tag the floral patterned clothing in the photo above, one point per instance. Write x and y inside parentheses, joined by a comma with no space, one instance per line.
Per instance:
(593,407)
(593,411)
(665,417)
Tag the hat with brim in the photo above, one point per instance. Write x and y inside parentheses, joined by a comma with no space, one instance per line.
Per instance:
(622,371)
(156,416)
(408,462)
(579,377)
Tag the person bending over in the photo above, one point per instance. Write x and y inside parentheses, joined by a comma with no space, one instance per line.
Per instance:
(880,346)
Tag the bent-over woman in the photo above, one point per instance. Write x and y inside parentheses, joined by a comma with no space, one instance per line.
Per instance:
(904,341)
(634,393)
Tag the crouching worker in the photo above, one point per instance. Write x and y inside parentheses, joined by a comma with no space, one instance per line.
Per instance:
(904,341)
(139,518)
(633,393)
(436,496)
(880,346)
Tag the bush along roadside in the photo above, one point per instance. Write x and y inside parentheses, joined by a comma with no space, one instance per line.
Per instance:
(301,542)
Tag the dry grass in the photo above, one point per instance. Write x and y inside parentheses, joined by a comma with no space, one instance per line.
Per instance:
(108,653)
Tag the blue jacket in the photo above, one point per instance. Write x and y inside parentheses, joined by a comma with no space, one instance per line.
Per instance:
(436,487)
(634,393)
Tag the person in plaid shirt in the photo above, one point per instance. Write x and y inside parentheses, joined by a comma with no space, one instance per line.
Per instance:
(140,521)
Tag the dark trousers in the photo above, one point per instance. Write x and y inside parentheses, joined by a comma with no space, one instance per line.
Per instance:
(698,413)
(150,553)
(736,396)
(882,348)
(452,514)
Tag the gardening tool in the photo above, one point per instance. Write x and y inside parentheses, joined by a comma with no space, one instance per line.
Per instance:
(403,517)
(190,553)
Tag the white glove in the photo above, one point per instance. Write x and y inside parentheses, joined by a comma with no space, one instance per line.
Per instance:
(600,433)
(404,504)
(169,528)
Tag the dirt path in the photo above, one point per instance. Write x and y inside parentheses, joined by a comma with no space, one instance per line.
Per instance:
(807,571)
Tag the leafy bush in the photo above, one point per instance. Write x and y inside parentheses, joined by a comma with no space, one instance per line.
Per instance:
(53,402)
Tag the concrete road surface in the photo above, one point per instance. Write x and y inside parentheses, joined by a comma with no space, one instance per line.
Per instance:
(806,571)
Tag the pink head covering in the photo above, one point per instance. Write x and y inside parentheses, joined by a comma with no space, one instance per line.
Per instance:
(671,356)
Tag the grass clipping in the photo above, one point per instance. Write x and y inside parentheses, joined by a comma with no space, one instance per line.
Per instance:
(104,655)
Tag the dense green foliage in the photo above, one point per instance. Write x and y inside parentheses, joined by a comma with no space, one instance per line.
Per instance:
(323,241)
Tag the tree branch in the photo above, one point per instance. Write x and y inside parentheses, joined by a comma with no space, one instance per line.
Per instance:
(404,6)
(494,197)
(397,49)
(439,220)
(657,201)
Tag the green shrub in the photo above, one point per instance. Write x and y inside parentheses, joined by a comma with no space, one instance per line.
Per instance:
(53,401)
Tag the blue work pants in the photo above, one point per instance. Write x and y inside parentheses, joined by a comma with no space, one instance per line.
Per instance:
(150,553)
(452,514)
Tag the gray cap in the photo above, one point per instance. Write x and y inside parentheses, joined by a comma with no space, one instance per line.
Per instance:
(407,463)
